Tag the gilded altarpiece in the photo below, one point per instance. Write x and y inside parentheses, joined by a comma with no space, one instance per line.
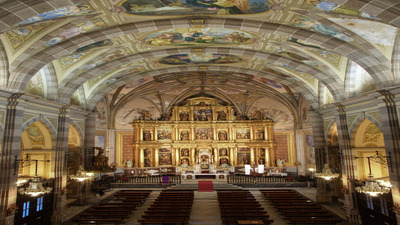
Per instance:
(205,134)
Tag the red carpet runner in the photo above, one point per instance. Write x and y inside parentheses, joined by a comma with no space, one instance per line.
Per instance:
(206,186)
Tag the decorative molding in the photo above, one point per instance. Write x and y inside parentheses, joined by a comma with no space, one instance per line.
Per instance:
(81,125)
(2,117)
(27,117)
(326,124)
(376,115)
(351,118)
(53,121)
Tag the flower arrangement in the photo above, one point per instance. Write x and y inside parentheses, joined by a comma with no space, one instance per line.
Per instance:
(12,210)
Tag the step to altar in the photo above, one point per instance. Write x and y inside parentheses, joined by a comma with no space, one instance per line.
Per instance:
(192,176)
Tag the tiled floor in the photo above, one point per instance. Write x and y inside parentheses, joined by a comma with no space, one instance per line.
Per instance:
(205,208)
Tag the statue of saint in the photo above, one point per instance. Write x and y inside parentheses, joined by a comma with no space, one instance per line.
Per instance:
(221,115)
(222,136)
(184,116)
(184,135)
(129,163)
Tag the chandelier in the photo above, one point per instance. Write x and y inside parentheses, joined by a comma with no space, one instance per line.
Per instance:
(22,180)
(35,186)
(327,173)
(81,175)
(372,186)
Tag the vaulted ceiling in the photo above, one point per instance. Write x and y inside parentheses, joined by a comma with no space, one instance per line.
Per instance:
(78,52)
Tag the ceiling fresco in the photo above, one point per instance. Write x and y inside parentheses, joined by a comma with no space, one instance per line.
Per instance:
(169,50)
(193,7)
(200,58)
(198,37)
(72,10)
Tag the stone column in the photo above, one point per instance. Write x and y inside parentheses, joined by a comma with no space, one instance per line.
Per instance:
(300,155)
(347,166)
(156,158)
(110,149)
(90,130)
(141,158)
(11,147)
(252,155)
(60,170)
(391,134)
(318,139)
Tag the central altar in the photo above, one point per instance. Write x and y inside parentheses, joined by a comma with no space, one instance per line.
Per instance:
(202,136)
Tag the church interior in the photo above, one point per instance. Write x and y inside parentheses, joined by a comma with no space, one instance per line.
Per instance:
(103,98)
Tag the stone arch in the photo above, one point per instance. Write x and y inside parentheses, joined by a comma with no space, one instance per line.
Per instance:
(335,85)
(79,131)
(396,60)
(307,92)
(3,67)
(356,126)
(366,140)
(362,117)
(379,71)
(331,134)
(50,76)
(47,125)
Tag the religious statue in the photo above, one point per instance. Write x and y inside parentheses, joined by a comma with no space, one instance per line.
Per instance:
(147,162)
(202,116)
(184,135)
(204,162)
(222,136)
(184,116)
(145,115)
(224,162)
(165,117)
(260,135)
(146,135)
(221,115)
(257,115)
(184,162)
(185,152)
(280,162)
(129,163)
(223,152)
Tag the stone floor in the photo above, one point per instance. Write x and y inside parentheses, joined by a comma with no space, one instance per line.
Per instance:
(205,208)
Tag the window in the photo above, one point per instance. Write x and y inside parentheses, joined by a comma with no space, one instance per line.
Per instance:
(370,204)
(384,207)
(39,205)
(25,210)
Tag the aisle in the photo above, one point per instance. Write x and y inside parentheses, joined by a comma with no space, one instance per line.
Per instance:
(205,209)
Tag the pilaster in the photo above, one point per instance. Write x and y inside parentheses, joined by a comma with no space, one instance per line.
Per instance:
(60,170)
(11,147)
(391,132)
(347,165)
(299,137)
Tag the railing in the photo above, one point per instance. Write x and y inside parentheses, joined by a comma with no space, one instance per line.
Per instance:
(239,179)
(173,179)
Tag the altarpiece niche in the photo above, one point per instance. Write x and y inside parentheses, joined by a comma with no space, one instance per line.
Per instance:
(203,134)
